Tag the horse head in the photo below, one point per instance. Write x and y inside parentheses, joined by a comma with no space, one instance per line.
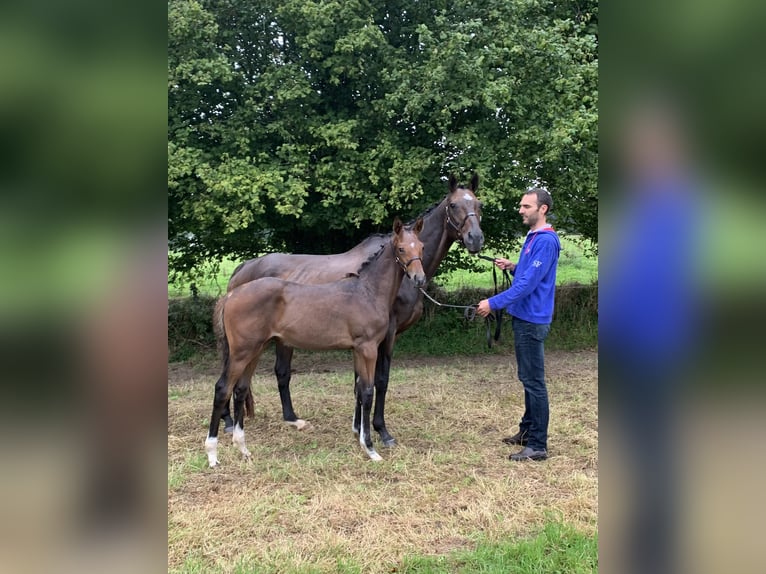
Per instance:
(464,213)
(408,250)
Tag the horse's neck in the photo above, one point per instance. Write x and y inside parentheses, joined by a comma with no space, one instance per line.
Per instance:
(436,238)
(384,275)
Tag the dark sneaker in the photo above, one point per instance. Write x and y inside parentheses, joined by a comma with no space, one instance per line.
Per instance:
(519,438)
(529,454)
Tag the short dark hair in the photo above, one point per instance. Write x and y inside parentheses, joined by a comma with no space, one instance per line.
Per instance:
(543,197)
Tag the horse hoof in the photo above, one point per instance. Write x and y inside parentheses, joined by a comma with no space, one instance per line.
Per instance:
(212,463)
(228,430)
(374,455)
(390,442)
(300,424)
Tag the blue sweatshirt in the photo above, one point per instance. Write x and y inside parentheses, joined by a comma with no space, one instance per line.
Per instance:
(531,296)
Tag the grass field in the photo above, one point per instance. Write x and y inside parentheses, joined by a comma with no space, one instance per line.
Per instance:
(445,500)
(576,265)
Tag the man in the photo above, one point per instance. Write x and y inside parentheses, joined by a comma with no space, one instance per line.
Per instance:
(530,302)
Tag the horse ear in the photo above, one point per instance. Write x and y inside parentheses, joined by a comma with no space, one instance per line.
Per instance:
(397,225)
(452,182)
(475,182)
(418,225)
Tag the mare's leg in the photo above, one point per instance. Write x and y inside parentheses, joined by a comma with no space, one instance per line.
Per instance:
(357,421)
(364,359)
(382,369)
(282,369)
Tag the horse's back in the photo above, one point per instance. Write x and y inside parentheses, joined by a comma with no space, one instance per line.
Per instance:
(308,269)
(306,316)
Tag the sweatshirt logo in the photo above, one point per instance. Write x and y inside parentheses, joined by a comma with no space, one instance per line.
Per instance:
(537,263)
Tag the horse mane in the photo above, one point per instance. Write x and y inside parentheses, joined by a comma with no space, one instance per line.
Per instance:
(409,224)
(426,212)
(370,259)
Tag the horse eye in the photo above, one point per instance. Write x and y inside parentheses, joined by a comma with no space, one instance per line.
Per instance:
(452,205)
(401,250)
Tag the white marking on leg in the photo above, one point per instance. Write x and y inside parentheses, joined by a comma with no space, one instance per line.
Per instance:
(238,438)
(300,424)
(374,455)
(211,448)
(369,450)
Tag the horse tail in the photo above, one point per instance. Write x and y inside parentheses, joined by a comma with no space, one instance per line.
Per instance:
(249,408)
(218,329)
(220,332)
(223,341)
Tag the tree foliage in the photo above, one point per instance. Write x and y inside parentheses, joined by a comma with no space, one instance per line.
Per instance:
(305,125)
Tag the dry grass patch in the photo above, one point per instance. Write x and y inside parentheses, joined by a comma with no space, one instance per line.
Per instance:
(314,498)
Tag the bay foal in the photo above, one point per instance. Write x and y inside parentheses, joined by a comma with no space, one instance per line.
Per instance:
(351,313)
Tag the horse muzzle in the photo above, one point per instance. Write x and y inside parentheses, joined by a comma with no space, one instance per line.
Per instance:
(418,278)
(473,242)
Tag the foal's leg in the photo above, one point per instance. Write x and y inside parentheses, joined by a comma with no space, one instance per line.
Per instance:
(364,359)
(241,393)
(223,390)
(228,422)
(220,402)
(282,369)
(238,435)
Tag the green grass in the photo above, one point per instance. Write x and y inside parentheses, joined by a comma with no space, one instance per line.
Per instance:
(558,548)
(178,473)
(212,281)
(445,500)
(576,265)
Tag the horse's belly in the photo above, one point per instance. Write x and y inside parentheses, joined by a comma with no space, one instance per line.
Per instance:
(333,330)
(308,336)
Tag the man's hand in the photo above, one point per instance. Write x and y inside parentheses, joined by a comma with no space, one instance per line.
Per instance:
(505,264)
(484,308)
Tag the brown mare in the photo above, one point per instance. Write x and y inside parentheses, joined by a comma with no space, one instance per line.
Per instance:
(455,218)
(351,313)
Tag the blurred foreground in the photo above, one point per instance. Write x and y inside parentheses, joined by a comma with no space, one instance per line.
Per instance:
(682,279)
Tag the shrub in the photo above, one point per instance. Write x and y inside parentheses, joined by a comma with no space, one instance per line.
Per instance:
(190,326)
(441,330)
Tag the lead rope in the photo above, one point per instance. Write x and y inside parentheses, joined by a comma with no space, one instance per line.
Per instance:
(469,313)
(506,284)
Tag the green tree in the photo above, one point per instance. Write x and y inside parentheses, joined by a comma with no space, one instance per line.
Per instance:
(304,125)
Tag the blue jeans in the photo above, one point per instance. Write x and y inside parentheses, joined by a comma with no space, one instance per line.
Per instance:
(528,342)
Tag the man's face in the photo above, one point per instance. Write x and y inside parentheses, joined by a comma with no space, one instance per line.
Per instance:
(529,210)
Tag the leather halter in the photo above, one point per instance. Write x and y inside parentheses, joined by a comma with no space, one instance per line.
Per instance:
(401,263)
(406,265)
(458,228)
